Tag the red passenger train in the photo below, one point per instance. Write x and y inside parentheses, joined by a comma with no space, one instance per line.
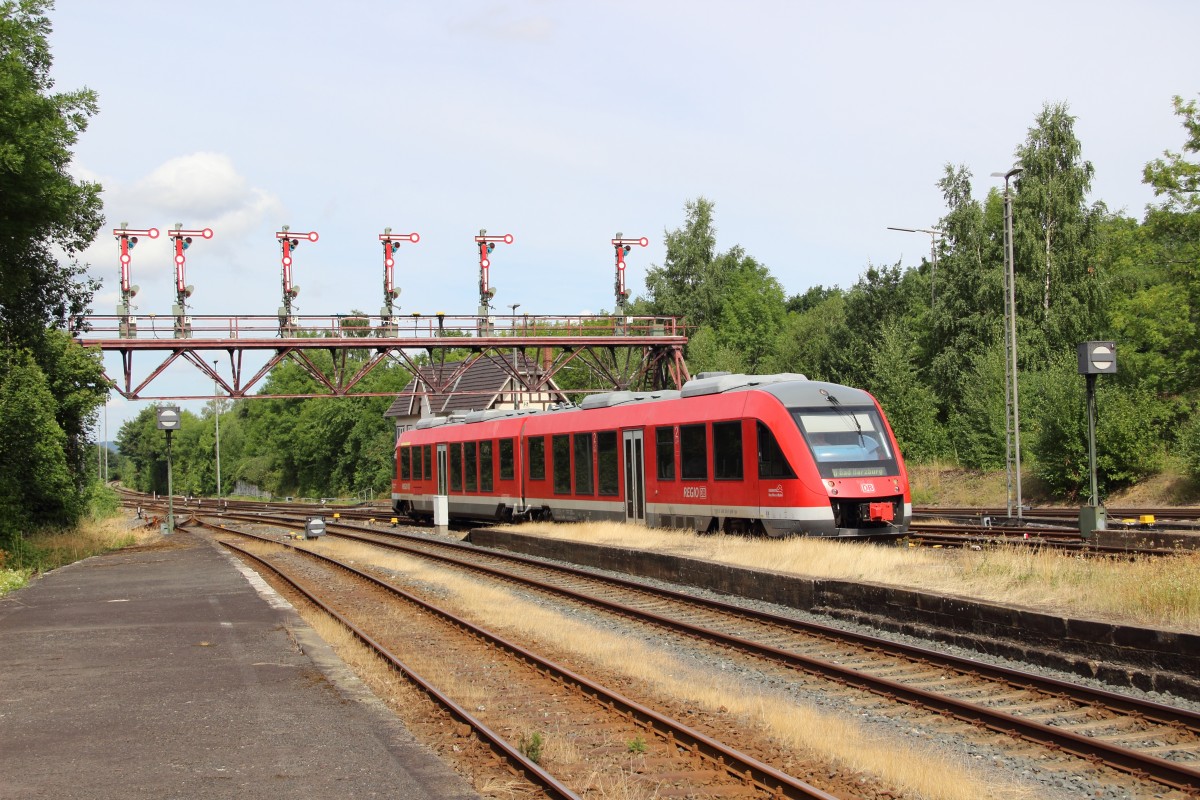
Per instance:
(773,454)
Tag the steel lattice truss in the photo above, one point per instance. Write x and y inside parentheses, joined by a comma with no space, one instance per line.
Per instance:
(616,352)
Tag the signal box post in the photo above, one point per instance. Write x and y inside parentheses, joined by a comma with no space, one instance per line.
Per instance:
(622,246)
(391,243)
(126,240)
(182,241)
(288,242)
(486,245)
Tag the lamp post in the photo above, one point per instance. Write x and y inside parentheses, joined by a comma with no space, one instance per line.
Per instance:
(934,233)
(516,371)
(1012,409)
(217,421)
(167,419)
(1095,358)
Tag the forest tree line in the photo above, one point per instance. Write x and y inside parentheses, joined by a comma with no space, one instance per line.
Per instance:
(929,344)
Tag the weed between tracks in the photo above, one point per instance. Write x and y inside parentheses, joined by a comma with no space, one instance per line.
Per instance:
(810,733)
(1163,591)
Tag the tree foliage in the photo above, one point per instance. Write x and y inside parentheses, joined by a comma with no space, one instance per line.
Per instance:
(41,206)
(52,387)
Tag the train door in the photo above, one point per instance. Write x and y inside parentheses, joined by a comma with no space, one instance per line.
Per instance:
(441,469)
(635,477)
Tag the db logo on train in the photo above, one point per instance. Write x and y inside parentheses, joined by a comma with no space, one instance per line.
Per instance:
(868,488)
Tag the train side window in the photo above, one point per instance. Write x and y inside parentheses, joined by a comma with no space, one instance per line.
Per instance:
(584,484)
(428,461)
(485,466)
(456,467)
(506,459)
(470,468)
(664,441)
(537,458)
(405,463)
(772,463)
(416,465)
(727,450)
(560,446)
(606,456)
(693,450)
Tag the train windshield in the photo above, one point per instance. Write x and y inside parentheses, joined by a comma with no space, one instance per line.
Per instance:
(847,442)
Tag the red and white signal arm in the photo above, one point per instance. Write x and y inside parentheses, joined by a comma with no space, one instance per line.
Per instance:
(127,238)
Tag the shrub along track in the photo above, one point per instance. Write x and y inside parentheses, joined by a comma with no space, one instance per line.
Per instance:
(529,693)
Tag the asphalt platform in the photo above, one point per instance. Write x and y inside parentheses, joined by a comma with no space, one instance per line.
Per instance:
(169,671)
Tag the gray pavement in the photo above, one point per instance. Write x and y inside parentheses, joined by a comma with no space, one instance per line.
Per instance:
(161,672)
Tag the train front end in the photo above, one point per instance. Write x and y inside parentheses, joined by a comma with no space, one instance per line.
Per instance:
(851,478)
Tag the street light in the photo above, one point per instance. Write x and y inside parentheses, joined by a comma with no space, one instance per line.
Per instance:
(934,233)
(217,421)
(1095,358)
(1012,443)
(516,371)
(167,419)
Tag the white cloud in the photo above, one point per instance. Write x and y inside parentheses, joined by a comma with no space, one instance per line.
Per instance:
(200,190)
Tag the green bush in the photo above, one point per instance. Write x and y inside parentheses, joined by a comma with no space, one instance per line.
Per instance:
(1128,433)
(1188,448)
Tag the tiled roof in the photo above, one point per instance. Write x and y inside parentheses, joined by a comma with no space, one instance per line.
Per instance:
(475,390)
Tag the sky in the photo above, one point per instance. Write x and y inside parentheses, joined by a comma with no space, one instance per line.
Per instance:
(813,127)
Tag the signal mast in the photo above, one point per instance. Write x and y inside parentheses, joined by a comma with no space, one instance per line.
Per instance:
(288,243)
(127,239)
(622,247)
(183,240)
(391,243)
(486,245)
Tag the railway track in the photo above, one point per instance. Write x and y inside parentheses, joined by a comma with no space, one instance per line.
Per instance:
(956,527)
(593,718)
(1144,740)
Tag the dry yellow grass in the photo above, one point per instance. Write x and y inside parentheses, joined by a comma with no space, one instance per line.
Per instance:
(1158,592)
(839,741)
(49,550)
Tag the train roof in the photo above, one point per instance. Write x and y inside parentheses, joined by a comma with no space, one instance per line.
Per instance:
(792,389)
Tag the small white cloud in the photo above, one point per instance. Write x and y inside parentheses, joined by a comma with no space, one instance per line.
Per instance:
(200,190)
(200,184)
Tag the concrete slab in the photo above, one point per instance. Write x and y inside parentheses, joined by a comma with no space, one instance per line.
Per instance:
(160,672)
